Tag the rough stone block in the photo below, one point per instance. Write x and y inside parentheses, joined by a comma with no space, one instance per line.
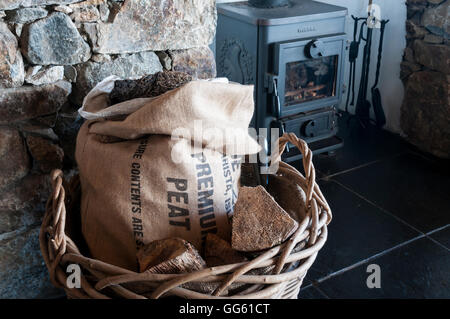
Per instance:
(437,19)
(406,68)
(54,40)
(415,31)
(11,64)
(433,56)
(165,60)
(143,25)
(85,12)
(48,155)
(22,205)
(198,62)
(22,270)
(63,9)
(14,4)
(425,113)
(26,15)
(39,130)
(409,55)
(29,102)
(434,39)
(39,75)
(14,159)
(70,73)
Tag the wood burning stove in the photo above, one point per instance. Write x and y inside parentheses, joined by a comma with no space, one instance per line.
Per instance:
(293,52)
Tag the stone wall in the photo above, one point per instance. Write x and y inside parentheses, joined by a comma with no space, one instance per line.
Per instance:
(52,52)
(426,73)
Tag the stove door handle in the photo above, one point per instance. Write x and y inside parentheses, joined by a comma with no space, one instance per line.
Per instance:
(271,84)
(277,98)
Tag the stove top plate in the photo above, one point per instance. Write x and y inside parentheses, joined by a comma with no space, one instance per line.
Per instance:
(297,11)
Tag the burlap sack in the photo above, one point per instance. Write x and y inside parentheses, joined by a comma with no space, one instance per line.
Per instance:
(140,184)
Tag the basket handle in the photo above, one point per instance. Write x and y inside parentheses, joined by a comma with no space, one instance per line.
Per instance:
(312,207)
(310,173)
(315,201)
(53,225)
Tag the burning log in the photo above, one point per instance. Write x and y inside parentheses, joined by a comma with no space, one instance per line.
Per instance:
(301,91)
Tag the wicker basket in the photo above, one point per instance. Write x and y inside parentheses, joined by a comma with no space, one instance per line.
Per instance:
(61,245)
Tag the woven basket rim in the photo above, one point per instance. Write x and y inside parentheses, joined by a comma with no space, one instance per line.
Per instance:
(103,280)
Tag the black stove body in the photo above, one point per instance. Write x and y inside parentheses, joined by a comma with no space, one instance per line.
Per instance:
(294,56)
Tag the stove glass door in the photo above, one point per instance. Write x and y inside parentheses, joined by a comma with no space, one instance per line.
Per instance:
(309,74)
(310,80)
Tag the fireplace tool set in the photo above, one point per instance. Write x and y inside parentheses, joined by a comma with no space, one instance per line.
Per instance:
(363,105)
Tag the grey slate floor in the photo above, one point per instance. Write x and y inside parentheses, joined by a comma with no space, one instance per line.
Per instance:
(391,207)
